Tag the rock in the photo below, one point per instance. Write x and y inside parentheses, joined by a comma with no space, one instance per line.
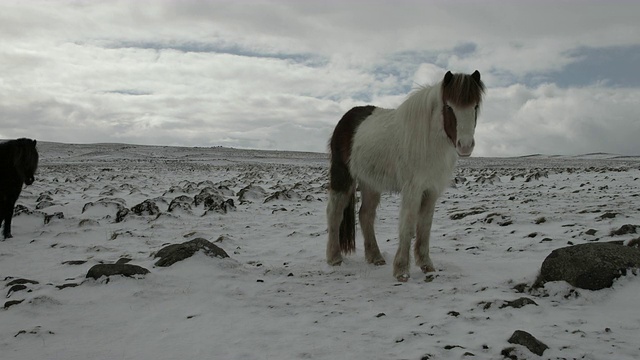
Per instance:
(251,193)
(527,340)
(221,207)
(518,303)
(283,195)
(21,282)
(171,254)
(591,266)
(56,215)
(121,214)
(146,207)
(10,303)
(625,229)
(182,202)
(100,270)
(208,195)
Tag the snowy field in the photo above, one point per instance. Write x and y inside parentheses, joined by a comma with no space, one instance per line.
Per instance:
(275,298)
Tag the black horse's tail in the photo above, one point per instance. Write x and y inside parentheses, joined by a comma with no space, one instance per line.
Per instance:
(348,227)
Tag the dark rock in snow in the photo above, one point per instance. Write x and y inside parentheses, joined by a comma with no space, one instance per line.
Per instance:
(122,214)
(221,207)
(100,270)
(56,215)
(592,266)
(10,303)
(171,254)
(21,282)
(518,303)
(625,229)
(146,207)
(527,340)
(251,193)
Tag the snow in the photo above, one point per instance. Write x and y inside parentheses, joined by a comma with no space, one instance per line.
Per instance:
(276,298)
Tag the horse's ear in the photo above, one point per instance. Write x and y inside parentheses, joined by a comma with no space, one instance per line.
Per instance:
(476,76)
(34,142)
(447,78)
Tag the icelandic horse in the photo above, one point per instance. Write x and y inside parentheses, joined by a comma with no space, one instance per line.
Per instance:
(411,150)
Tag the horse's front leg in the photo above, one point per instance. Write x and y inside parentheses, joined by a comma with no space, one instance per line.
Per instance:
(408,217)
(425,219)
(370,201)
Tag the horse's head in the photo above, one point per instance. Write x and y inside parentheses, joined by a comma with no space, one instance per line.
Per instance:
(461,98)
(27,160)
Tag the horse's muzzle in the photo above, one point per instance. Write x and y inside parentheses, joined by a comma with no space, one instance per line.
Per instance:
(465,150)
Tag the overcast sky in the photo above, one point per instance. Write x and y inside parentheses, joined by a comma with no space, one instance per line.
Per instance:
(563,77)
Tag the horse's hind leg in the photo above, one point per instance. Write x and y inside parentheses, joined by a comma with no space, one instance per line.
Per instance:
(338,202)
(367,216)
(425,219)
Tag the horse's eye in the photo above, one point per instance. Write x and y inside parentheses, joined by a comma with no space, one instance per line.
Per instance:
(446,106)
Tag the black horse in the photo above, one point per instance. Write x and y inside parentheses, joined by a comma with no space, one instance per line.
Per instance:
(18,164)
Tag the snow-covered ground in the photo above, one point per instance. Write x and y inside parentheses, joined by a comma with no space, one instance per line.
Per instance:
(275,298)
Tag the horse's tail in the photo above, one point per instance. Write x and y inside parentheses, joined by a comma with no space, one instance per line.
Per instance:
(348,227)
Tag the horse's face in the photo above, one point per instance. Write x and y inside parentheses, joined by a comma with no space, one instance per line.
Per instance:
(29,162)
(460,126)
(461,97)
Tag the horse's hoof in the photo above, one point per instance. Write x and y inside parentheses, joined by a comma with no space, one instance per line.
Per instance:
(403,278)
(335,262)
(379,262)
(427,268)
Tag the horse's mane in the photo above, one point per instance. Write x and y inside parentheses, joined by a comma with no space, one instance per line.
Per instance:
(463,90)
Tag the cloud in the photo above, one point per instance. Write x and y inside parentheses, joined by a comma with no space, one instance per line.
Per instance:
(280,74)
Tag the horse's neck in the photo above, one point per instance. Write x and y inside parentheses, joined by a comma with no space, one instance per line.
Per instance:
(418,117)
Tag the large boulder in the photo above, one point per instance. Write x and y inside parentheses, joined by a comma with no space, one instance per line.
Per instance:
(591,266)
(171,254)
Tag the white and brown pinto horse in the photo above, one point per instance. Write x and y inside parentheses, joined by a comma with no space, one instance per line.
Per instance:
(411,150)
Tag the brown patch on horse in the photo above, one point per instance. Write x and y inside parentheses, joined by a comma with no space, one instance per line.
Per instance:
(340,146)
(462,90)
(450,123)
(347,234)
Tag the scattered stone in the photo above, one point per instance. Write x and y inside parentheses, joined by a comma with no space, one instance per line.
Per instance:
(591,232)
(251,193)
(147,207)
(625,229)
(464,214)
(591,266)
(381,315)
(88,222)
(182,202)
(522,287)
(608,215)
(527,340)
(540,220)
(122,214)
(100,270)
(10,303)
(283,195)
(123,260)
(453,313)
(74,262)
(56,215)
(69,285)
(221,207)
(518,303)
(171,254)
(21,282)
